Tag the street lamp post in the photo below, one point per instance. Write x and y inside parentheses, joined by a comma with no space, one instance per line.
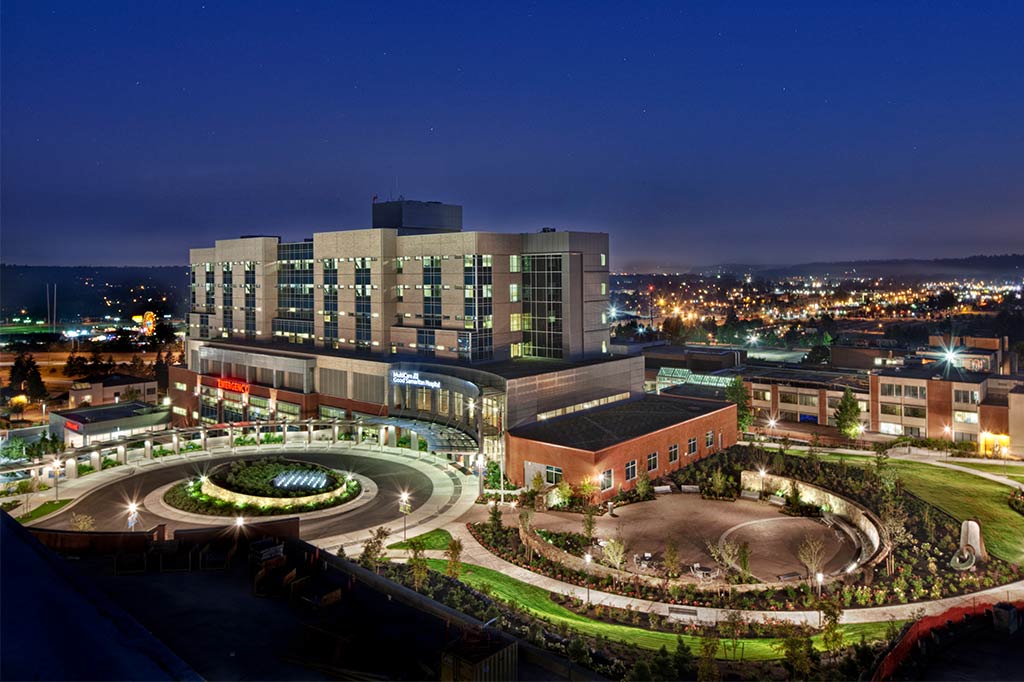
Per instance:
(820,577)
(56,479)
(405,507)
(761,472)
(587,559)
(133,515)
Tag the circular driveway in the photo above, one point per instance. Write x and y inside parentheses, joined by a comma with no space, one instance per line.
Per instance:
(108,505)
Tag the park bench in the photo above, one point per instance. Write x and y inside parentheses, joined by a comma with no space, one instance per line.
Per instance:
(792,575)
(682,612)
(662,489)
(689,488)
(750,495)
(777,500)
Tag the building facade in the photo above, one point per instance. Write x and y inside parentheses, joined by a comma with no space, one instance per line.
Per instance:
(112,388)
(613,446)
(413,318)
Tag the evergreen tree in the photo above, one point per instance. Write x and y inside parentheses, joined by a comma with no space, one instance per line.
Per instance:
(683,658)
(160,371)
(34,386)
(736,392)
(847,415)
(23,364)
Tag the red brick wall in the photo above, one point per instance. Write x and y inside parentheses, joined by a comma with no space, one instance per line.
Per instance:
(578,465)
(940,408)
(186,399)
(994,418)
(873,403)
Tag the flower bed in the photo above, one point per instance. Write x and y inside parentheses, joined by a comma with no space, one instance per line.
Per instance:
(248,488)
(1016,501)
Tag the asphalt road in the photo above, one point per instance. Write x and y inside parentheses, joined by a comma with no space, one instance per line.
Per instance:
(108,505)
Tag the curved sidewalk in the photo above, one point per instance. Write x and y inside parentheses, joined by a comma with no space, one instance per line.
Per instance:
(475,553)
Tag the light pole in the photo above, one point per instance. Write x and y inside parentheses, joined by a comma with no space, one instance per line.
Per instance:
(761,472)
(771,427)
(948,432)
(820,577)
(133,515)
(405,507)
(56,479)
(587,559)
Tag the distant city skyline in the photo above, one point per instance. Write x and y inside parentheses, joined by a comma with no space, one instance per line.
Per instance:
(693,136)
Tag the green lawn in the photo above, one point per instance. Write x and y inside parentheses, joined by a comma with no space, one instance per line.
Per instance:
(963,496)
(434,539)
(536,600)
(42,510)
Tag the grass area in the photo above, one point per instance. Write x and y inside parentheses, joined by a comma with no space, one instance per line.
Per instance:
(965,496)
(1015,473)
(42,510)
(536,600)
(434,539)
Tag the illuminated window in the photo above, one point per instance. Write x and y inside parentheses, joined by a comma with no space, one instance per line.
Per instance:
(552,474)
(513,293)
(607,480)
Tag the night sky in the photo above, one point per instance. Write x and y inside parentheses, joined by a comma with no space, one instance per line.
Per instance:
(693,133)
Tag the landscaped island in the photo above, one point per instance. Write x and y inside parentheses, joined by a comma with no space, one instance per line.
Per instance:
(263,487)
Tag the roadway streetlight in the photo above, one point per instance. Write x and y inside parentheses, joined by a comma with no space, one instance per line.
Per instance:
(587,559)
(405,507)
(56,479)
(133,515)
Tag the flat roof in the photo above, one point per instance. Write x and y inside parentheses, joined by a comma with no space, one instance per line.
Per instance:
(833,380)
(507,369)
(104,413)
(603,427)
(115,379)
(935,370)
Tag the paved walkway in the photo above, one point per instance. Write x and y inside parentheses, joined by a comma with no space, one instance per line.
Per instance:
(475,553)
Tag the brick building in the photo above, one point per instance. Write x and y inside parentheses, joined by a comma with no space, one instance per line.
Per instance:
(612,444)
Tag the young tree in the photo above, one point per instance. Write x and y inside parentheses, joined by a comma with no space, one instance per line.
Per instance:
(589,524)
(644,490)
(831,629)
(671,558)
(707,668)
(811,554)
(537,484)
(418,564)
(454,556)
(796,649)
(373,549)
(733,628)
(847,414)
(615,552)
(736,392)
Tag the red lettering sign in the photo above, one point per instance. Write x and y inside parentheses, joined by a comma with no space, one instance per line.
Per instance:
(74,426)
(232,385)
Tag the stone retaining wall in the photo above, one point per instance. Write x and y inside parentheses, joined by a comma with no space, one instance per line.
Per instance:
(213,490)
(862,518)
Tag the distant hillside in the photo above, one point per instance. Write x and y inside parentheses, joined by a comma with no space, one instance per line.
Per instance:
(1000,267)
(87,291)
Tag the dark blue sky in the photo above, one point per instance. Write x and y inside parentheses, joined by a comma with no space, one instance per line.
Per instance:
(693,133)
